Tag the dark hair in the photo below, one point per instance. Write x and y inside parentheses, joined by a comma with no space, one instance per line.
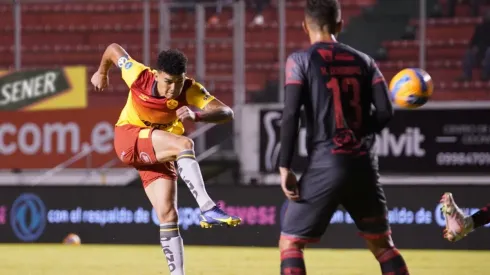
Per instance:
(323,13)
(173,62)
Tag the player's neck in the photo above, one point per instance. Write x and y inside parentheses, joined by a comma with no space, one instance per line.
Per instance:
(316,37)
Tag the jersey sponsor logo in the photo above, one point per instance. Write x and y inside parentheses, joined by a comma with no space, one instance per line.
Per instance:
(128,65)
(160,126)
(172,104)
(144,97)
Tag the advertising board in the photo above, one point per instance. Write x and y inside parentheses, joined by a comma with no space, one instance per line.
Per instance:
(40,140)
(415,142)
(123,215)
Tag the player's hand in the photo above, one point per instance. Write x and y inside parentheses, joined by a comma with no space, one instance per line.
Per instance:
(100,81)
(184,113)
(289,184)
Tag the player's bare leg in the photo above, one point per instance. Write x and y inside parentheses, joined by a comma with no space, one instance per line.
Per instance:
(388,256)
(457,224)
(169,147)
(292,261)
(162,194)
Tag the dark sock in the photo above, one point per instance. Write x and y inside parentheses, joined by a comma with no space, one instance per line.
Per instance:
(292,262)
(481,217)
(392,263)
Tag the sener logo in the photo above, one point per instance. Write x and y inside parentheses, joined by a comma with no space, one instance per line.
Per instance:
(21,89)
(47,138)
(407,144)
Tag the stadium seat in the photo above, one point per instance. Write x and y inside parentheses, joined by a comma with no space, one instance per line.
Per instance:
(450,28)
(406,50)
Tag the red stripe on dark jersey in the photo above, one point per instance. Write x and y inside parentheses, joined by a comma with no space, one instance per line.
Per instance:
(293,82)
(378,80)
(292,70)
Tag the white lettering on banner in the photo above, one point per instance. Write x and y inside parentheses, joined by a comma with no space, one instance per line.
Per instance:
(29,88)
(406,216)
(100,217)
(461,129)
(476,140)
(407,144)
(264,215)
(462,159)
(31,138)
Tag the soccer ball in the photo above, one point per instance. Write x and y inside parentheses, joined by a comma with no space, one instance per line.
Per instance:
(411,88)
(72,239)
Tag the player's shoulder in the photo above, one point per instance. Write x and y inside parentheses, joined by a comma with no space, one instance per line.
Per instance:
(361,56)
(299,56)
(192,87)
(298,59)
(191,84)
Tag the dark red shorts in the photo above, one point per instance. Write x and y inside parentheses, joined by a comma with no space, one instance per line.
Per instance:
(134,147)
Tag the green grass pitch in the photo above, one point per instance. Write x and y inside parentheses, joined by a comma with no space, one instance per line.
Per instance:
(37,259)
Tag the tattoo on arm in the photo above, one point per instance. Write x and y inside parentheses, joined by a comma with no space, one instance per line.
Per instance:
(216,112)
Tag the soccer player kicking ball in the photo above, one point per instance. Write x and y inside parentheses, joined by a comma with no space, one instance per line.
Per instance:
(457,224)
(337,86)
(148,136)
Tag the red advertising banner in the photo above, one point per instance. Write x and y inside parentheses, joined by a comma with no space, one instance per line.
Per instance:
(44,139)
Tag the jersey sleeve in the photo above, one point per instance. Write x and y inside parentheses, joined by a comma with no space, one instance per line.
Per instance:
(198,96)
(131,70)
(295,70)
(381,100)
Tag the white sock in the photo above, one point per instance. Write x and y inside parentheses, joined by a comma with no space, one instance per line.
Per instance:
(173,247)
(190,172)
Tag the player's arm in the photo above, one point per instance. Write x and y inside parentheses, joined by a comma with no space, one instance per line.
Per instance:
(383,109)
(113,54)
(130,69)
(212,109)
(291,112)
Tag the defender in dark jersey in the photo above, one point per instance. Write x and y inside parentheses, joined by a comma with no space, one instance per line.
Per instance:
(346,102)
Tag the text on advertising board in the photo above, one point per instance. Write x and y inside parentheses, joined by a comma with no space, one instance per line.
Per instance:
(451,141)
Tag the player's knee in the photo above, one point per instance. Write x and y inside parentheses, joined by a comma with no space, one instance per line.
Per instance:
(167,214)
(380,243)
(289,244)
(186,143)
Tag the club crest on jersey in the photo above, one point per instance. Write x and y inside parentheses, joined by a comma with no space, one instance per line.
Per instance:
(172,104)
